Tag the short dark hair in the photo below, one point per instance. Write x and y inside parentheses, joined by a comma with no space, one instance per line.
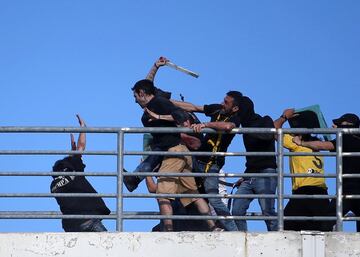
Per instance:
(180,116)
(146,85)
(236,95)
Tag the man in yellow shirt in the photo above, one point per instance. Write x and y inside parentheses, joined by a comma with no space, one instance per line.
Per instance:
(304,185)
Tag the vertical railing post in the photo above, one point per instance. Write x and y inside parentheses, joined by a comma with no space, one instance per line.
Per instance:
(280,190)
(120,167)
(339,182)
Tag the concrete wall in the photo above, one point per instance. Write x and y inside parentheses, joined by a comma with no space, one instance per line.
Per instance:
(220,244)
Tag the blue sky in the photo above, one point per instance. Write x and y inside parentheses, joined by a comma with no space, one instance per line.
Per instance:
(59,58)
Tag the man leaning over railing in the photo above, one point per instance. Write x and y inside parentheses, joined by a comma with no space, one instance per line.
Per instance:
(224,117)
(144,94)
(351,164)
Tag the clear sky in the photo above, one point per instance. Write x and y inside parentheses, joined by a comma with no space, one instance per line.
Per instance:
(59,58)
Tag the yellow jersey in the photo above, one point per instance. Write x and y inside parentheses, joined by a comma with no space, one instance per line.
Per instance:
(304,164)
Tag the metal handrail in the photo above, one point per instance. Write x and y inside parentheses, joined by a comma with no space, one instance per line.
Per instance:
(119,215)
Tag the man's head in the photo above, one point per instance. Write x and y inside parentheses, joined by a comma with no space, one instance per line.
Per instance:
(348,120)
(231,102)
(182,118)
(143,91)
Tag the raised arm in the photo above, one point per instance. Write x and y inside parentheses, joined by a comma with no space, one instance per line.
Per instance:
(81,143)
(160,62)
(287,114)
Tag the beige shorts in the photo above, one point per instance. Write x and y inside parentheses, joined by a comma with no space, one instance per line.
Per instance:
(177,185)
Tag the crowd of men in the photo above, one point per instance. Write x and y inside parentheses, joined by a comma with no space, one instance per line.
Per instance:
(235,110)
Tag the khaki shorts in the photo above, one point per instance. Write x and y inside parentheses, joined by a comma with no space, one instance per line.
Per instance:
(177,185)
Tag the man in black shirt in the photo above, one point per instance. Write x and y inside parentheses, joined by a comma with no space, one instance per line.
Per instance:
(77,184)
(351,164)
(144,94)
(256,164)
(151,161)
(224,117)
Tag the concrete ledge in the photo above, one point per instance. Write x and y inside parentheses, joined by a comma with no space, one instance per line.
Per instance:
(201,244)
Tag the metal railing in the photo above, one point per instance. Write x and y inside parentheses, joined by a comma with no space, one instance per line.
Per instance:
(119,215)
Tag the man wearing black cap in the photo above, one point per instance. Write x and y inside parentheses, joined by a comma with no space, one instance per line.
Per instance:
(351,165)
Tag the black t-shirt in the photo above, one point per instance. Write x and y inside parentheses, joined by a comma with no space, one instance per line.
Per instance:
(260,143)
(351,165)
(161,106)
(211,139)
(75,184)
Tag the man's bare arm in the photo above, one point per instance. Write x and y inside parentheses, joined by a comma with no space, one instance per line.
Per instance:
(189,107)
(217,125)
(314,145)
(151,185)
(193,143)
(155,116)
(287,114)
(160,62)
(81,144)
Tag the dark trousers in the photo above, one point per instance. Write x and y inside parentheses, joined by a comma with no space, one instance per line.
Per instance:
(308,207)
(150,163)
(352,205)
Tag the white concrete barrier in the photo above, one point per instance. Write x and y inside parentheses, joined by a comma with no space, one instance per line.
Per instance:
(180,244)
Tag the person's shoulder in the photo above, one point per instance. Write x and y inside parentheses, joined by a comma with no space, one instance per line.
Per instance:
(268,121)
(158,99)
(212,110)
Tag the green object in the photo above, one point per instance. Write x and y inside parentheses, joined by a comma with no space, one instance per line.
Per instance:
(322,123)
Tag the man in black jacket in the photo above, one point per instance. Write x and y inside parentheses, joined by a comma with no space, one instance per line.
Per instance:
(77,184)
(256,164)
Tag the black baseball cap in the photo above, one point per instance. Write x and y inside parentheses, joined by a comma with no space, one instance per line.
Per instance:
(348,117)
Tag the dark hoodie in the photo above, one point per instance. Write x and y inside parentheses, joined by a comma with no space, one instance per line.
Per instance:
(75,184)
(257,142)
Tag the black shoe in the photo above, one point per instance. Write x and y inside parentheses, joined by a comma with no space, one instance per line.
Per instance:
(131,182)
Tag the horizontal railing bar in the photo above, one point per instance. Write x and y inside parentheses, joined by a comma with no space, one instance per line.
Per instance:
(112,213)
(155,215)
(351,218)
(225,175)
(44,129)
(51,173)
(166,153)
(233,196)
(55,152)
(65,195)
(132,174)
